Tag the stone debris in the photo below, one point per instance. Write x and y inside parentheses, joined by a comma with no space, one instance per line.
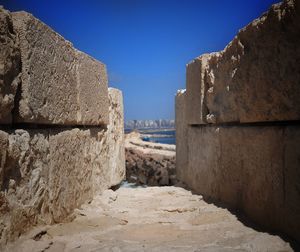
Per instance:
(149,163)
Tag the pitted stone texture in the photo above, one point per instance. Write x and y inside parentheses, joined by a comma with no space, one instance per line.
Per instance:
(75,155)
(181,134)
(9,66)
(60,85)
(255,169)
(93,95)
(46,174)
(255,78)
(116,136)
(23,189)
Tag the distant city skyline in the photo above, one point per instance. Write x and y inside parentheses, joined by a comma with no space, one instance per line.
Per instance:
(145,44)
(158,123)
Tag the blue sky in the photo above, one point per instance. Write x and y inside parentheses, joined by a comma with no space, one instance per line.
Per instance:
(145,43)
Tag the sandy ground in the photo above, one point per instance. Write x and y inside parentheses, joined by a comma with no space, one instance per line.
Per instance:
(149,219)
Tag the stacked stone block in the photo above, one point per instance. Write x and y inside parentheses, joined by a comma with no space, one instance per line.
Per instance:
(61,128)
(60,85)
(238,122)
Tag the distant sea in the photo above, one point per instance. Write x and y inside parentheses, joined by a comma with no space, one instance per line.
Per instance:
(164,136)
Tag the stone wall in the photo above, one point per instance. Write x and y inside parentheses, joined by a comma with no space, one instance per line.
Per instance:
(61,128)
(237,124)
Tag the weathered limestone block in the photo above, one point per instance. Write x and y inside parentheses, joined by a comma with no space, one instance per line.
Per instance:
(10,60)
(115,135)
(255,78)
(181,134)
(255,169)
(60,85)
(46,174)
(74,157)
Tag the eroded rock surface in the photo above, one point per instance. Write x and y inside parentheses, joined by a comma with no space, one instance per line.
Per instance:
(150,219)
(48,173)
(149,163)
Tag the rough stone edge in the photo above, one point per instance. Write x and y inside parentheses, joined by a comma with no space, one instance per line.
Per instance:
(116,101)
(181,134)
(201,114)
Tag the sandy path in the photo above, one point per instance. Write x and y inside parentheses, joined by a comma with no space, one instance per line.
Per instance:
(149,219)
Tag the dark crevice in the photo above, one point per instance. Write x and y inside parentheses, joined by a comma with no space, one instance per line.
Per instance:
(283,167)
(11,172)
(15,110)
(39,235)
(116,187)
